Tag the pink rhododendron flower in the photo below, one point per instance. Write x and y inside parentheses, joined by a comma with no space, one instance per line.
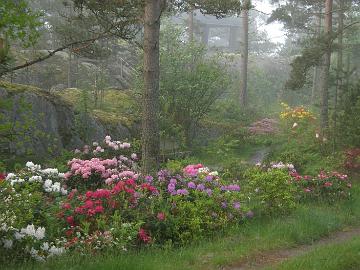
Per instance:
(161,216)
(144,236)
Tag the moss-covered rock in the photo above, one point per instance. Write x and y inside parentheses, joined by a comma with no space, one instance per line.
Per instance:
(56,123)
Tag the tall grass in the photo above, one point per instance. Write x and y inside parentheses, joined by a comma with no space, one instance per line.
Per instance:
(344,255)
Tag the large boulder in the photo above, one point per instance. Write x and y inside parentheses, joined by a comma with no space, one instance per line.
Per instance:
(47,124)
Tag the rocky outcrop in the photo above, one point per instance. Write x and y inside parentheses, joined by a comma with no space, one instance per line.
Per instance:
(48,124)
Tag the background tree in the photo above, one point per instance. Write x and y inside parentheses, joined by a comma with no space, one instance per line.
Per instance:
(17,24)
(244,52)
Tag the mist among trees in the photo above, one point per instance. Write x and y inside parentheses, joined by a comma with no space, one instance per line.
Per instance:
(137,128)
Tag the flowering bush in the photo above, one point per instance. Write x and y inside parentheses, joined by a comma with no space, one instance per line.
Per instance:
(27,242)
(27,198)
(103,202)
(296,113)
(116,212)
(195,204)
(325,186)
(271,190)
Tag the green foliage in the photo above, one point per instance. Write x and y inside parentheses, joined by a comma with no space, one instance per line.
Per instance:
(192,220)
(17,128)
(177,165)
(82,119)
(271,191)
(309,57)
(19,22)
(190,83)
(348,130)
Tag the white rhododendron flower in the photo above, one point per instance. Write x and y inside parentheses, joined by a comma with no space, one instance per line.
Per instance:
(8,243)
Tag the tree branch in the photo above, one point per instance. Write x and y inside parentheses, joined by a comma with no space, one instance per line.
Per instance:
(50,54)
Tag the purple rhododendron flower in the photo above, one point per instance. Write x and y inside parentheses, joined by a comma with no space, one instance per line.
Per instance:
(200,187)
(208,191)
(149,178)
(191,185)
(173,181)
(223,204)
(171,187)
(250,214)
(236,205)
(162,174)
(209,178)
(182,192)
(231,188)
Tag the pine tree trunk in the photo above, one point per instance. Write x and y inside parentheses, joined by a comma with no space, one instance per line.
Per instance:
(244,50)
(339,68)
(150,117)
(69,70)
(324,79)
(316,68)
(191,24)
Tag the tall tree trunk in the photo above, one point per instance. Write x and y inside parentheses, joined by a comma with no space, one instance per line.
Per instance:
(348,67)
(150,117)
(244,51)
(324,82)
(69,84)
(339,68)
(191,24)
(316,68)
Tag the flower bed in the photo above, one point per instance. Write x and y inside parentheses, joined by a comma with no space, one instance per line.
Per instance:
(102,202)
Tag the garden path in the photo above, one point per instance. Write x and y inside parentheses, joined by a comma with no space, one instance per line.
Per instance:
(272,258)
(259,155)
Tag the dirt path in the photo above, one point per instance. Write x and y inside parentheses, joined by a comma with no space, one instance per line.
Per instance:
(272,258)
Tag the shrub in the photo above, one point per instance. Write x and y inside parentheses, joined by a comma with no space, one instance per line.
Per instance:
(27,212)
(103,202)
(197,203)
(271,190)
(325,186)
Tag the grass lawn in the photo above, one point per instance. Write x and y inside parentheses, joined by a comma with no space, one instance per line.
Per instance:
(234,156)
(331,257)
(306,224)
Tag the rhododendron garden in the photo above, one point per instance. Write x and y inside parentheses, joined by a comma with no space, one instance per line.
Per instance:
(179,135)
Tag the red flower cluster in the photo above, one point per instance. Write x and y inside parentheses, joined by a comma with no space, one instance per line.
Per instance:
(2,177)
(102,201)
(328,185)
(144,236)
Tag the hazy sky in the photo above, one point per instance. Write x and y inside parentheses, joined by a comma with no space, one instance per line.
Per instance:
(275,29)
